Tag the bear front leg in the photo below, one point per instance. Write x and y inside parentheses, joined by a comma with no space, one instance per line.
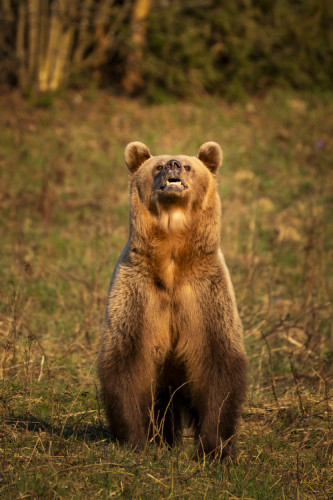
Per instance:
(128,402)
(218,398)
(217,426)
(125,367)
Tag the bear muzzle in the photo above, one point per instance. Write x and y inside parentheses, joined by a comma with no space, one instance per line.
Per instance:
(173,166)
(171,175)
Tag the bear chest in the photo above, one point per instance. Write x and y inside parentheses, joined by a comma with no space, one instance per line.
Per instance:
(171,318)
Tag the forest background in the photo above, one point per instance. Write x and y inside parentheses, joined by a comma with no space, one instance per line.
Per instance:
(78,81)
(164,47)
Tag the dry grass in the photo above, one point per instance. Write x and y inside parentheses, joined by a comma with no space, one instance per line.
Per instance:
(63,223)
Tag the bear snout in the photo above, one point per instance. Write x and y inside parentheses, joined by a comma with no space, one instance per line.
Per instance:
(173,168)
(171,179)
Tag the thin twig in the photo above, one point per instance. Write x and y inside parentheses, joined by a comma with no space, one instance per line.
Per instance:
(271,369)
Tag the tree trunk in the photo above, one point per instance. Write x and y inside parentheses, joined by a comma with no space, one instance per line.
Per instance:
(20,47)
(54,35)
(133,81)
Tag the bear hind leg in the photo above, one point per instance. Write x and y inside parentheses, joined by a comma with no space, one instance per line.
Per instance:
(168,417)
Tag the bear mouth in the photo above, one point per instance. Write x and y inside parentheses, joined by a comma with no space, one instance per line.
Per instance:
(173,184)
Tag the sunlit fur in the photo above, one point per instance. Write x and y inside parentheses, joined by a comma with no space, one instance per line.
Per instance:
(172,338)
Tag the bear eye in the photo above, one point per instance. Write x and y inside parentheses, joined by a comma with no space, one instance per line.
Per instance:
(159,168)
(187,167)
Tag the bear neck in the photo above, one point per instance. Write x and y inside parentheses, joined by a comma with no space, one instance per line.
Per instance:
(175,233)
(170,241)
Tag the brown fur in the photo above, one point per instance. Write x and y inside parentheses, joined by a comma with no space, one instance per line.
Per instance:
(172,337)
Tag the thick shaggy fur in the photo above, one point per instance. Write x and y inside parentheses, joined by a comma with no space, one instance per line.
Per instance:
(172,337)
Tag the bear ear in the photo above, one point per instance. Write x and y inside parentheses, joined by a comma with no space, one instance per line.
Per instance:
(136,153)
(211,155)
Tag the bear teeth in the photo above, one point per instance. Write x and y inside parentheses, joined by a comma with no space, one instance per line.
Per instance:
(174,182)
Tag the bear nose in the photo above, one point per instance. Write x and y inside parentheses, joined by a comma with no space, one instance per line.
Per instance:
(173,167)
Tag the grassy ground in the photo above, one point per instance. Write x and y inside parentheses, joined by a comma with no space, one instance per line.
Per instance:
(64,211)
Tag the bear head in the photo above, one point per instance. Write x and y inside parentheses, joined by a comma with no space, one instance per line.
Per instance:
(166,181)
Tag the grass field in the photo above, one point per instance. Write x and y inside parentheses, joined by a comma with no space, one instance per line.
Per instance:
(64,211)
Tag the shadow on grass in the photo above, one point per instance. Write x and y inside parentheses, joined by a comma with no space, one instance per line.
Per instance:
(79,430)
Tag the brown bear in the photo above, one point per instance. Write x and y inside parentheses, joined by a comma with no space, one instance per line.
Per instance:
(172,337)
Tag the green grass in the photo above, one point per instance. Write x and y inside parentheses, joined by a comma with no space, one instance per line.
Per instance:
(63,222)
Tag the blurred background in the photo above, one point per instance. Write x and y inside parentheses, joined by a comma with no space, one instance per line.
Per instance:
(163,48)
